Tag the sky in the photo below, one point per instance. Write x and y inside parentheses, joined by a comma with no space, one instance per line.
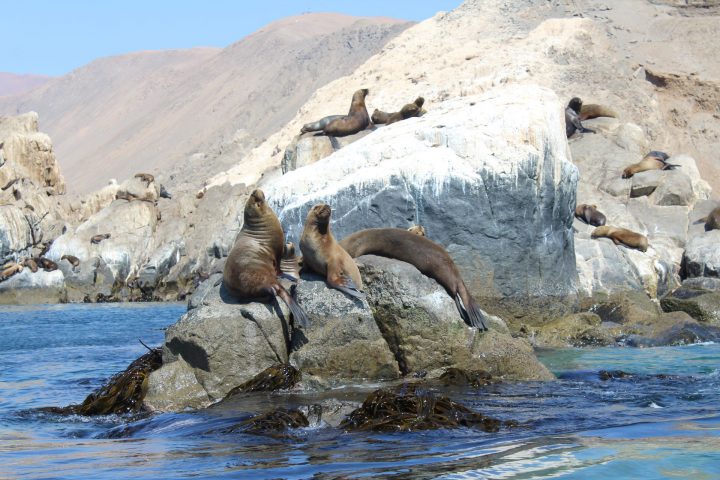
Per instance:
(53,37)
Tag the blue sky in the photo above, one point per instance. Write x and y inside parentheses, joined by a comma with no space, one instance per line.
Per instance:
(53,37)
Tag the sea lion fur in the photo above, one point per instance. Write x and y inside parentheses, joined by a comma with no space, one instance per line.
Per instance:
(417,230)
(572,118)
(654,160)
(427,256)
(622,236)
(355,121)
(590,215)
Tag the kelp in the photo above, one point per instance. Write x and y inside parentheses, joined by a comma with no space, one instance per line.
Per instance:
(276,377)
(273,423)
(465,378)
(412,408)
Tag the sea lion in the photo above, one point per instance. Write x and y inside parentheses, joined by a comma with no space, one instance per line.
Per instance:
(31,264)
(74,261)
(2,157)
(145,177)
(355,121)
(590,215)
(10,269)
(124,195)
(289,263)
(622,236)
(164,193)
(323,255)
(95,239)
(654,160)
(253,264)
(46,264)
(407,111)
(572,118)
(427,256)
(417,230)
(712,221)
(320,124)
(593,110)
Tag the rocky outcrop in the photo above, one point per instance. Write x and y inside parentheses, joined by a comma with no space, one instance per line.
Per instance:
(490,179)
(306,149)
(220,343)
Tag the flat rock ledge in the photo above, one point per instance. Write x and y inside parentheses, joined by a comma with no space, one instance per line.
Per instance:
(407,324)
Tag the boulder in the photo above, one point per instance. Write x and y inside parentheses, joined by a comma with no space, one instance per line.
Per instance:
(16,235)
(28,288)
(308,148)
(490,179)
(701,305)
(702,256)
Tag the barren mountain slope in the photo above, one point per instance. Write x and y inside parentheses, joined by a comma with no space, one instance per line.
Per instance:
(592,49)
(14,84)
(176,111)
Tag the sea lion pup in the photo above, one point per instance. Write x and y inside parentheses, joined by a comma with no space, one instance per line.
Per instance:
(654,160)
(417,230)
(95,239)
(289,264)
(320,124)
(427,256)
(145,177)
(322,253)
(593,110)
(622,236)
(31,264)
(590,215)
(10,269)
(253,264)
(572,118)
(355,121)
(46,264)
(74,261)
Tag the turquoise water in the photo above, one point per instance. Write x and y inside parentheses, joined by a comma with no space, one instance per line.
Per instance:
(660,422)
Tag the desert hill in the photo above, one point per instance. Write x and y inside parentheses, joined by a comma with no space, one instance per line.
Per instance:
(175,112)
(15,84)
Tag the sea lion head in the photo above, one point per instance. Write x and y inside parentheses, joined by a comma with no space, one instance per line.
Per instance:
(360,95)
(255,207)
(627,173)
(289,250)
(417,230)
(419,101)
(575,104)
(320,214)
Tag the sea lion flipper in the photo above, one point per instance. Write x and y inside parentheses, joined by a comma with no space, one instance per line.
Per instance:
(671,166)
(288,276)
(297,312)
(473,316)
(345,284)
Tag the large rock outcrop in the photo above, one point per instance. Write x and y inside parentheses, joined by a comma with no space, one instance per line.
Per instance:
(490,179)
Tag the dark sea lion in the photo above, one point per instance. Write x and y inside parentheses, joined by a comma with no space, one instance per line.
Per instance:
(46,264)
(289,263)
(379,117)
(95,239)
(427,256)
(74,261)
(590,215)
(593,110)
(323,255)
(622,236)
(253,265)
(10,269)
(407,111)
(31,264)
(355,121)
(123,195)
(145,177)
(654,160)
(417,230)
(164,193)
(712,221)
(320,124)
(572,118)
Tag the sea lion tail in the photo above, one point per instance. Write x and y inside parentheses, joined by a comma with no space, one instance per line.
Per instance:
(297,312)
(671,166)
(472,315)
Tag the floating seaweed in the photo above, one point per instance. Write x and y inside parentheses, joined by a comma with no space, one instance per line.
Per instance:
(465,378)
(414,408)
(123,393)
(276,377)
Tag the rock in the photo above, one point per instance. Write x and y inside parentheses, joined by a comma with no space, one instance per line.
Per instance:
(701,305)
(308,148)
(676,189)
(343,341)
(425,331)
(702,256)
(577,330)
(675,328)
(175,387)
(28,288)
(16,236)
(645,183)
(490,179)
(624,308)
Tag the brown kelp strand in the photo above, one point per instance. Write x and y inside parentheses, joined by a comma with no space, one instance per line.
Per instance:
(276,377)
(273,423)
(464,378)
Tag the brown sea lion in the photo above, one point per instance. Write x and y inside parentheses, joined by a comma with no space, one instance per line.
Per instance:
(407,111)
(654,160)
(74,261)
(320,124)
(622,236)
(323,255)
(593,110)
(289,263)
(572,118)
(145,177)
(95,239)
(417,230)
(712,221)
(10,269)
(355,121)
(379,117)
(590,215)
(253,264)
(46,264)
(427,256)
(123,195)
(31,264)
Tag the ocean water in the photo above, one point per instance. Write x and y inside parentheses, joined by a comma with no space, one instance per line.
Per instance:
(663,421)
